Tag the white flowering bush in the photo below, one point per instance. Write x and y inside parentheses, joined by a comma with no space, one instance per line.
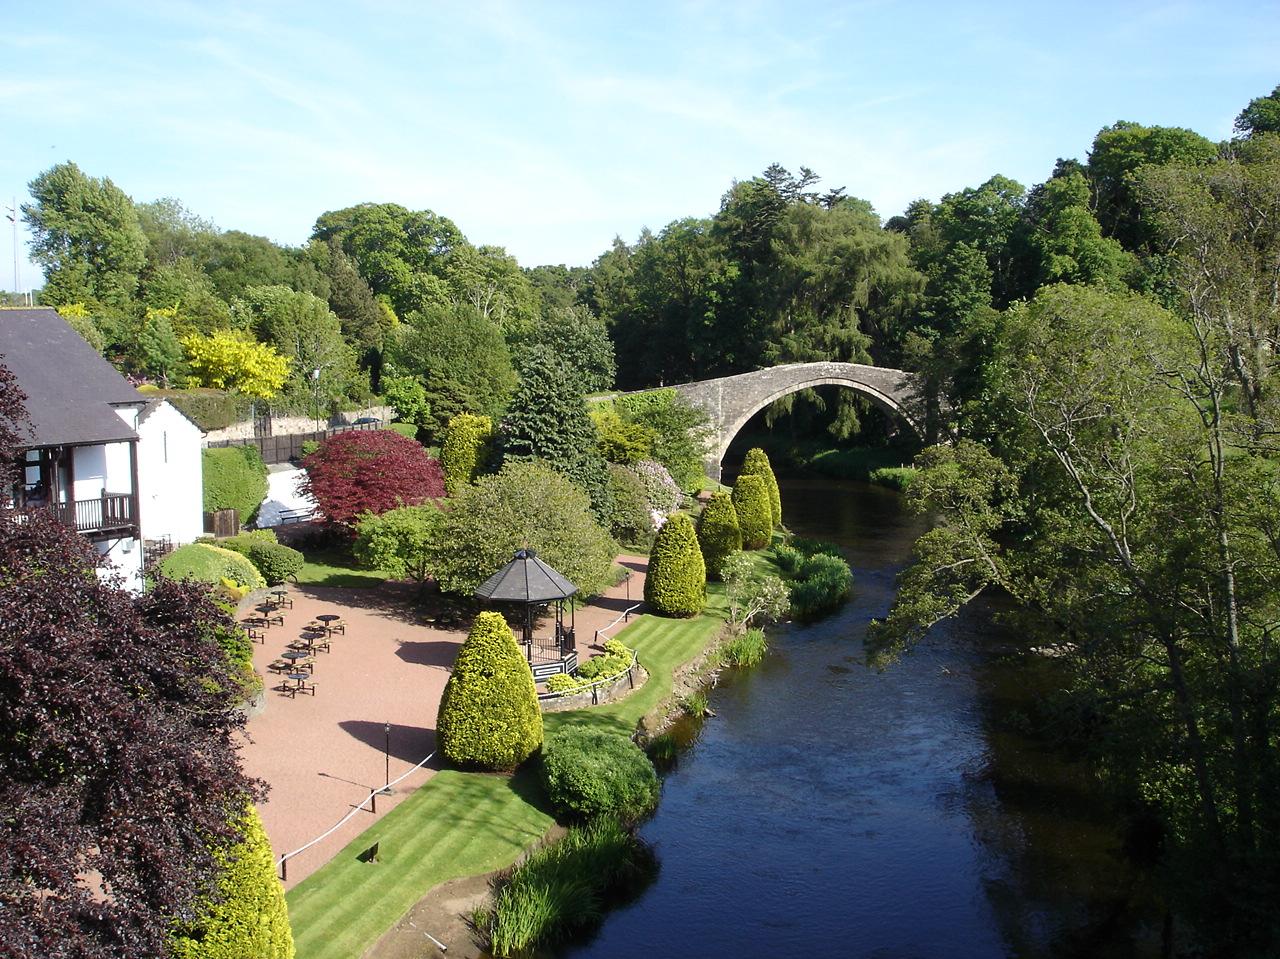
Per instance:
(660,490)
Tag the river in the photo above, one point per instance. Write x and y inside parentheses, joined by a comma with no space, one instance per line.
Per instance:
(832,810)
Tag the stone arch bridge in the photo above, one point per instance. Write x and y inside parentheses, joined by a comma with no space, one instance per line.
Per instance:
(730,401)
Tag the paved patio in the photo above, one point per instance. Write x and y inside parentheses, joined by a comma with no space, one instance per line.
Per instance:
(321,754)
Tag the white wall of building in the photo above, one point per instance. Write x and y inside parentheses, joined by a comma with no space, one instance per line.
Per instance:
(123,559)
(105,466)
(170,476)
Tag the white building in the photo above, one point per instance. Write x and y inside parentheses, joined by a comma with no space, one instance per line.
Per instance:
(170,474)
(83,460)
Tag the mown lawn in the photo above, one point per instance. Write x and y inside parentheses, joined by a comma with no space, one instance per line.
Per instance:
(462,824)
(335,567)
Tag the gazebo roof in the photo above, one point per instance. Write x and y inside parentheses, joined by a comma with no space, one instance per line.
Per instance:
(526,579)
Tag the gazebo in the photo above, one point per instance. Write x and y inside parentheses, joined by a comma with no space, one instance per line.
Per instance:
(529,582)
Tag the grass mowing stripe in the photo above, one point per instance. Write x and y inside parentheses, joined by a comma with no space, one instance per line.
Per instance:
(462,824)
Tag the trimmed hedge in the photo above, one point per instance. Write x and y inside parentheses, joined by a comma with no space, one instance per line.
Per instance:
(589,771)
(248,917)
(276,562)
(206,563)
(234,478)
(756,463)
(489,716)
(462,454)
(676,584)
(210,409)
(719,534)
(273,560)
(755,516)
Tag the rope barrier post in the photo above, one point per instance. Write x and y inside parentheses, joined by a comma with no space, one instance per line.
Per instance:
(284,868)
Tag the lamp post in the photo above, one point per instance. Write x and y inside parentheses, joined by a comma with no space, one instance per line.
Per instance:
(315,396)
(386,755)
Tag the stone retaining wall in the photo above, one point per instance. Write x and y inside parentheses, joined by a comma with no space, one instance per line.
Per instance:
(287,425)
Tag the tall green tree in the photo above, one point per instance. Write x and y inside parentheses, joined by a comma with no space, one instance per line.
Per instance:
(580,340)
(304,330)
(1262,115)
(461,358)
(547,420)
(86,236)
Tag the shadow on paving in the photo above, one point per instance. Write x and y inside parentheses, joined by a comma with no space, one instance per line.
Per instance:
(432,652)
(388,601)
(409,744)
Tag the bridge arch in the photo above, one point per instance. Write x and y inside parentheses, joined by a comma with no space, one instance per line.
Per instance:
(731,401)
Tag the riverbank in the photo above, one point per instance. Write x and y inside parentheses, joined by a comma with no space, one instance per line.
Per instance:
(470,824)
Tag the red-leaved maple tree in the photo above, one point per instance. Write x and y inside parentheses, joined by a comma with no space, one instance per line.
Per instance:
(369,471)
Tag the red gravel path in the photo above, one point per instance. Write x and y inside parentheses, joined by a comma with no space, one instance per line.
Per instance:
(321,754)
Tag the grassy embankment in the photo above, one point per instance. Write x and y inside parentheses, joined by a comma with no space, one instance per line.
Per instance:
(462,824)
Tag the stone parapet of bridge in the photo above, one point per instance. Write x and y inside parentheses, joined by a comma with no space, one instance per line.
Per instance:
(730,401)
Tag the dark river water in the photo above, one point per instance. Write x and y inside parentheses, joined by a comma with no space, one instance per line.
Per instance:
(832,810)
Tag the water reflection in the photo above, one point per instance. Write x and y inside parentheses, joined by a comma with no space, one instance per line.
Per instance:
(834,810)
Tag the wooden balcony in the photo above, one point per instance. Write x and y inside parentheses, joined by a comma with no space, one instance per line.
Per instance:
(110,513)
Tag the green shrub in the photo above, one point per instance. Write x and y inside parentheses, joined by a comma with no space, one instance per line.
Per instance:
(822,583)
(211,564)
(810,547)
(462,454)
(242,541)
(309,447)
(630,520)
(751,501)
(788,558)
(745,650)
(564,683)
(398,542)
(248,917)
(565,888)
(588,771)
(718,532)
(276,562)
(525,505)
(894,477)
(234,478)
(616,660)
(756,463)
(489,716)
(676,584)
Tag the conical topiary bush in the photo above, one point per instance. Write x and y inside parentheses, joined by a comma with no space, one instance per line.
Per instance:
(489,716)
(755,518)
(676,584)
(756,463)
(719,534)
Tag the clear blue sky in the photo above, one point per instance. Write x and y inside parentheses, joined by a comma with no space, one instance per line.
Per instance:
(549,128)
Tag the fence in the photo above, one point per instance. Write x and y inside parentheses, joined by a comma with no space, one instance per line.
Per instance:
(594,688)
(282,449)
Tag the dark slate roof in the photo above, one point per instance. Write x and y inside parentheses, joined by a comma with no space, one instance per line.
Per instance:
(526,579)
(71,390)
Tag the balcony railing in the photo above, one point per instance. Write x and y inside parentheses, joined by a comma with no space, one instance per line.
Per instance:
(108,513)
